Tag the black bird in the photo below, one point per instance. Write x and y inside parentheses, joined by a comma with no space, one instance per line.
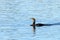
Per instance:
(40,24)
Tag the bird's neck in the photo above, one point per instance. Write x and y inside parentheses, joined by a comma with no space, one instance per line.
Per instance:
(33,21)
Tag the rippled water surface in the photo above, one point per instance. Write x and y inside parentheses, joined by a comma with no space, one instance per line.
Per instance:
(15,19)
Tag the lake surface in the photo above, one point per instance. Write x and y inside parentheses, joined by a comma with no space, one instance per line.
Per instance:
(15,19)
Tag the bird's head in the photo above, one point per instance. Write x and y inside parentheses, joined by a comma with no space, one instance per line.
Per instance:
(33,18)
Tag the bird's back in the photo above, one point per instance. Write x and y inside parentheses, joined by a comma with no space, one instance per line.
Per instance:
(39,24)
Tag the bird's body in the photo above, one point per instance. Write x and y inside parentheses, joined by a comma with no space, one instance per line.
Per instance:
(38,25)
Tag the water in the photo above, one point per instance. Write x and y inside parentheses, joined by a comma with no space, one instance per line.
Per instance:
(15,19)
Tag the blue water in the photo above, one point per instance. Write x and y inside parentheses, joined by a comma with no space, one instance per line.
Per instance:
(15,19)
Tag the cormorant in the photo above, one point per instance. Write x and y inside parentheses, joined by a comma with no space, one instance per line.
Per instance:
(38,25)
